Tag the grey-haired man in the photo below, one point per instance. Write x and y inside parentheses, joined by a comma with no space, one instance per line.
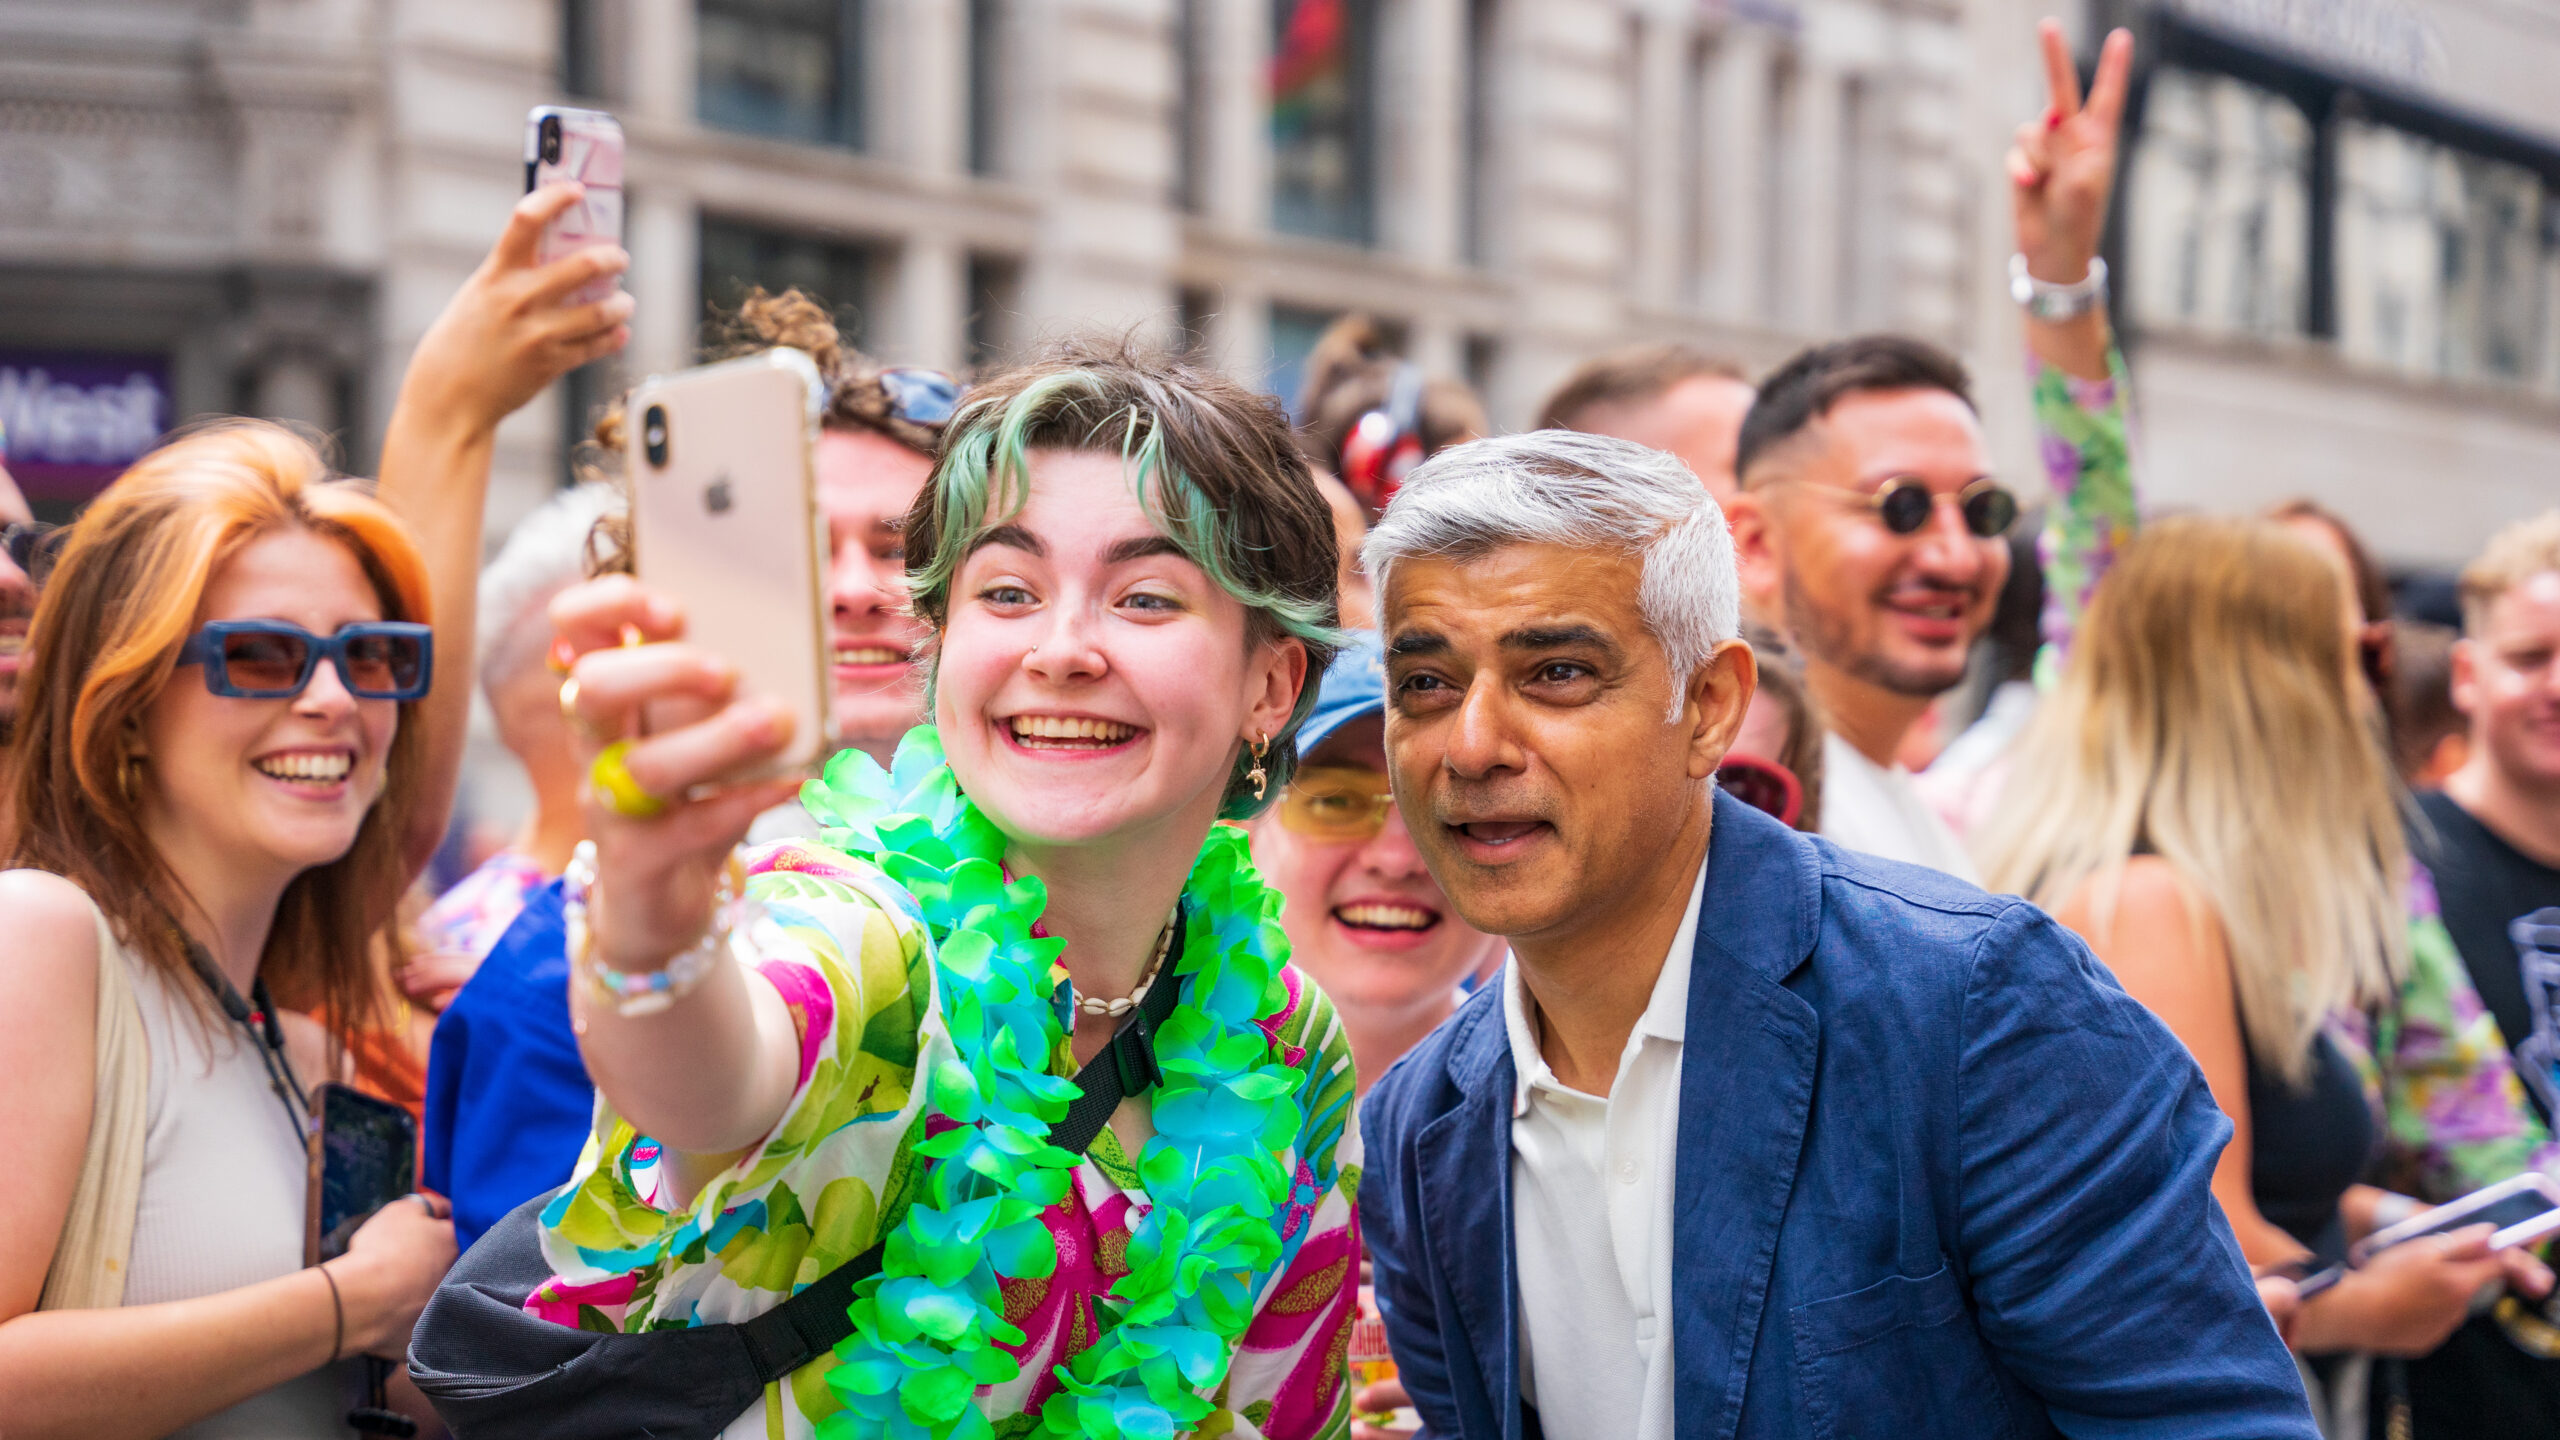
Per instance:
(1754,1136)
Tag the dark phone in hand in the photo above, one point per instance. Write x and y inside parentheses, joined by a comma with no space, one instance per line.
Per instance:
(364,1157)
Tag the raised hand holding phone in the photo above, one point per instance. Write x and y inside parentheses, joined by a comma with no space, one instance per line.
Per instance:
(583,148)
(506,335)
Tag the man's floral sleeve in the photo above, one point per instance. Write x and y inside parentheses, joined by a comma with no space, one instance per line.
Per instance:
(2083,434)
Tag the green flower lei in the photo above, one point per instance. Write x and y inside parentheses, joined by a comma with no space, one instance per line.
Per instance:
(927,1330)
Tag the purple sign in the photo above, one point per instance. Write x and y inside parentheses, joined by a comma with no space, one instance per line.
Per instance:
(75,419)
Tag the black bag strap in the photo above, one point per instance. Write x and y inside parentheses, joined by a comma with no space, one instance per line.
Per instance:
(810,1323)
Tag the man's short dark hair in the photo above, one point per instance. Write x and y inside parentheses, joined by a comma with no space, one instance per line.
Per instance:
(1629,377)
(1804,389)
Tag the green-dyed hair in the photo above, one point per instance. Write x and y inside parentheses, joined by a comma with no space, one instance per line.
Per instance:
(1214,465)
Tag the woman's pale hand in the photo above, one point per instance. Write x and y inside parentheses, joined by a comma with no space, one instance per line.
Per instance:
(1384,1397)
(657,878)
(391,1269)
(2062,164)
(512,329)
(2283,1300)
(431,978)
(2526,1275)
(2407,1300)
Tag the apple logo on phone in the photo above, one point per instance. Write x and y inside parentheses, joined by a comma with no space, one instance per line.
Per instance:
(715,496)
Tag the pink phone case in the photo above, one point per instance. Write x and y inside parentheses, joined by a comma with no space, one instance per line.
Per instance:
(588,149)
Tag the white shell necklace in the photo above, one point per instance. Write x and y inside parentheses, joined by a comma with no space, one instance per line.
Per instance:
(1094,1005)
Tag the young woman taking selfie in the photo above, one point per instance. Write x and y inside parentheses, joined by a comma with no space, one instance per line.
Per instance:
(1129,578)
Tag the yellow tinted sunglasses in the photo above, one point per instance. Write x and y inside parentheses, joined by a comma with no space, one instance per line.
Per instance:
(1341,804)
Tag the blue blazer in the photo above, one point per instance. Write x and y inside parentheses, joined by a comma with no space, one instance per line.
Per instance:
(1938,1176)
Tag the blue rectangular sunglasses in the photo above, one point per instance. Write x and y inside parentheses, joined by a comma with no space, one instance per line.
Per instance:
(273,660)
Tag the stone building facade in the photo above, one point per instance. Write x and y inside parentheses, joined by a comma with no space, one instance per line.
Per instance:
(260,204)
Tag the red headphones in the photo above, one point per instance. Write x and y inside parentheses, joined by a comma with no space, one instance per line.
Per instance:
(1386,443)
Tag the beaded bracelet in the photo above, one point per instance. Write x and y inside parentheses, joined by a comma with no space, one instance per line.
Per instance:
(644,992)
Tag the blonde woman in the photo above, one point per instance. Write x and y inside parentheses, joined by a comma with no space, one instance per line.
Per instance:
(2214,815)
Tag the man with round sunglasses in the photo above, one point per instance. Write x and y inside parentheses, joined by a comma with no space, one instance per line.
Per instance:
(1869,525)
(1364,917)
(1869,528)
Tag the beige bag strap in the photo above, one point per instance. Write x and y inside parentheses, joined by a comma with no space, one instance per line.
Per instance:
(88,1269)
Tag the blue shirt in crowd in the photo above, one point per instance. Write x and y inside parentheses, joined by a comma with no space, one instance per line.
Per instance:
(508,1099)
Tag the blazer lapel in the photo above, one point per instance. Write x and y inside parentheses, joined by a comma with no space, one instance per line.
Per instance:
(1746,1093)
(1464,1160)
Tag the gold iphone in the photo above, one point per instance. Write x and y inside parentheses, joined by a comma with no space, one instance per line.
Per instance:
(724,521)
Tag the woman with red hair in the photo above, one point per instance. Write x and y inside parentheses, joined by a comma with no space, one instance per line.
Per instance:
(217,774)
(233,757)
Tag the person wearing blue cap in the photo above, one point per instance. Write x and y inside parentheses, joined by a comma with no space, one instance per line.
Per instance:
(1365,919)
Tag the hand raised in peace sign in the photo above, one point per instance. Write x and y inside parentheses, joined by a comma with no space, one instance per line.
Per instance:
(2062,166)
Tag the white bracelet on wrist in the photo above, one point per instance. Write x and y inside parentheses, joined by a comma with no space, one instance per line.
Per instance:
(632,993)
(2048,301)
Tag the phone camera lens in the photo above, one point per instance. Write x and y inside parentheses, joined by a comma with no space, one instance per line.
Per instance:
(550,139)
(653,434)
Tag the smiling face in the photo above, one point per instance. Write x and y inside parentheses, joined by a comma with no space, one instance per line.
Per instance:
(1094,683)
(2506,679)
(277,786)
(866,481)
(1898,612)
(1527,735)
(1364,917)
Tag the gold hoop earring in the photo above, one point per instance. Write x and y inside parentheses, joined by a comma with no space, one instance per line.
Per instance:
(1260,777)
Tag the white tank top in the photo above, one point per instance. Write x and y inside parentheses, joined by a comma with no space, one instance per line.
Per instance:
(223,1196)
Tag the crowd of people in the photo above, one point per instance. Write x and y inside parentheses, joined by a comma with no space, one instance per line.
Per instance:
(1699,917)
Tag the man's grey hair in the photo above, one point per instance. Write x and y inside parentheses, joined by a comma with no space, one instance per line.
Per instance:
(1561,487)
(545,553)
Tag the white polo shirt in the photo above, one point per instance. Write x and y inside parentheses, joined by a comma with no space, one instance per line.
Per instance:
(1878,810)
(1595,1278)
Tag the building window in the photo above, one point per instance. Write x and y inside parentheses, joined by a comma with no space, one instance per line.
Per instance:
(1866,216)
(989,22)
(1478,147)
(739,257)
(1324,122)
(1781,166)
(1480,361)
(582,47)
(1191,40)
(1195,319)
(791,69)
(995,308)
(1697,231)
(2219,209)
(1294,332)
(2443,259)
